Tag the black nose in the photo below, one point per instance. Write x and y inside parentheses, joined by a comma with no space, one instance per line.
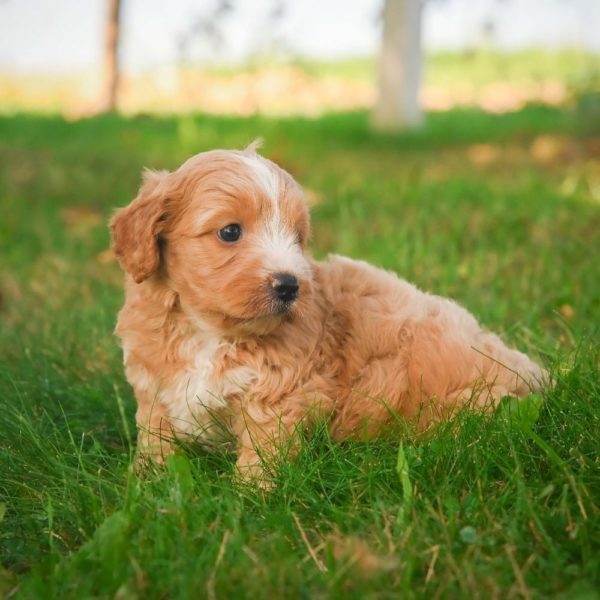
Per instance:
(285,287)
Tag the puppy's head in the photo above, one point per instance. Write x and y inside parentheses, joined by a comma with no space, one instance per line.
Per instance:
(226,231)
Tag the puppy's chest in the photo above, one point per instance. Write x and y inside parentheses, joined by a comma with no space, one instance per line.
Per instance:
(199,390)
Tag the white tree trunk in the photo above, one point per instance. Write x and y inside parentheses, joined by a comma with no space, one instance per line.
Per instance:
(400,66)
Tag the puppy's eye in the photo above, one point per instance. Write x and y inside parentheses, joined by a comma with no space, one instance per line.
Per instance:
(231,233)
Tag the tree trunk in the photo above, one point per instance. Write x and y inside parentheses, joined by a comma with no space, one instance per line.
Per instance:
(400,61)
(111,57)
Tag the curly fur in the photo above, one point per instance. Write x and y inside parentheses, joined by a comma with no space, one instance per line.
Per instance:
(205,346)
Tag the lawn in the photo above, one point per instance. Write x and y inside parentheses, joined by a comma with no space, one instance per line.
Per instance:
(501,212)
(491,80)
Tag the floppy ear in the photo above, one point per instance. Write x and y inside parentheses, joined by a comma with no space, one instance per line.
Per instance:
(135,228)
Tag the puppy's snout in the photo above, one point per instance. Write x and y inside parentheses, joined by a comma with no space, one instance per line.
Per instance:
(285,287)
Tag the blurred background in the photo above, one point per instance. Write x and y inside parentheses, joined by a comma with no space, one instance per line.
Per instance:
(282,57)
(456,142)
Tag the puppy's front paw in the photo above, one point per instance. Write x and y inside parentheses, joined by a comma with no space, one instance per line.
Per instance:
(148,458)
(251,471)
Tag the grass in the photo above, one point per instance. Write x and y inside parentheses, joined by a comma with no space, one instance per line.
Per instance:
(479,67)
(292,85)
(500,212)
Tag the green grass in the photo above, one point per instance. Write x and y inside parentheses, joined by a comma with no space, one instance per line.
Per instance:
(500,507)
(478,67)
(448,78)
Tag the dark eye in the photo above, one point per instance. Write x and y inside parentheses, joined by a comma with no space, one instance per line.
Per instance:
(231,233)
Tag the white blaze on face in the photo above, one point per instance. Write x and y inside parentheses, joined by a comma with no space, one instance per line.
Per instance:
(281,251)
(264,174)
(277,240)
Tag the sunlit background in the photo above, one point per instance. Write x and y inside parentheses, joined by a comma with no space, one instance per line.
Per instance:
(286,57)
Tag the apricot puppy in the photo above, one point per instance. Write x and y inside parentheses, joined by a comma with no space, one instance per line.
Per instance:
(228,322)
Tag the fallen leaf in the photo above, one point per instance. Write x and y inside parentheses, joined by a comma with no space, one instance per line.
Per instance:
(360,555)
(106,256)
(482,154)
(550,148)
(567,311)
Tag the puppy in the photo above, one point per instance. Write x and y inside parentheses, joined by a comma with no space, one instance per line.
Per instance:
(229,324)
